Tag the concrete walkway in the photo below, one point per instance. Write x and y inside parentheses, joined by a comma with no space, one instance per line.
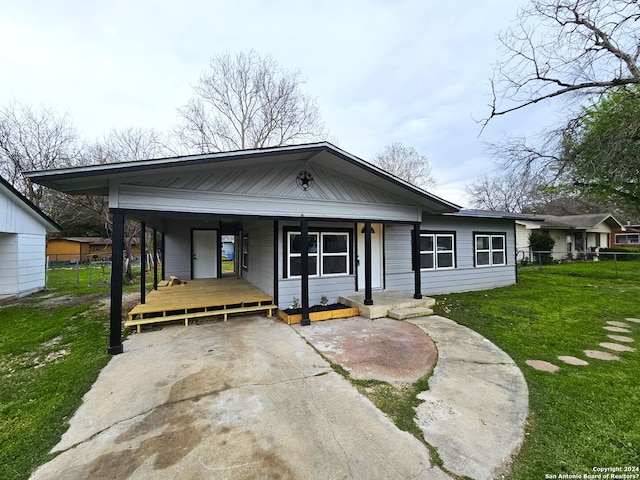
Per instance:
(250,398)
(477,403)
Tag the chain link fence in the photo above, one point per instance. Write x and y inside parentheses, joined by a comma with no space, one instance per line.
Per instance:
(555,256)
(613,262)
(86,271)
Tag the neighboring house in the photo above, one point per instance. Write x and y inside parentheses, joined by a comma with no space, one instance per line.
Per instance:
(576,236)
(84,249)
(628,237)
(78,249)
(23,231)
(365,230)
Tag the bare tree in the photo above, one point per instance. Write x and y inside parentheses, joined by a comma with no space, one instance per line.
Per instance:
(405,163)
(127,144)
(247,101)
(510,192)
(560,47)
(34,139)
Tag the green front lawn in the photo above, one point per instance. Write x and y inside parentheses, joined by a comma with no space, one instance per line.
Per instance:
(53,345)
(50,355)
(581,417)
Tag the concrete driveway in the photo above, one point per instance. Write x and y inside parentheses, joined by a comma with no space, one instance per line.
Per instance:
(250,398)
(244,399)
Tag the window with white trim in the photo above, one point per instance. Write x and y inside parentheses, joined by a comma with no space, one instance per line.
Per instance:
(328,253)
(437,251)
(627,238)
(490,249)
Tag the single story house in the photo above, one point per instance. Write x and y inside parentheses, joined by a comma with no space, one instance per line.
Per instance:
(576,236)
(23,231)
(78,249)
(84,249)
(309,221)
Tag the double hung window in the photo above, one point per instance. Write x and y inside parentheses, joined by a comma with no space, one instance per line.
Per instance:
(490,249)
(328,253)
(437,250)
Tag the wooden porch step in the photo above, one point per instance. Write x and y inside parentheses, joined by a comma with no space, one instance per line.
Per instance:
(138,322)
(409,312)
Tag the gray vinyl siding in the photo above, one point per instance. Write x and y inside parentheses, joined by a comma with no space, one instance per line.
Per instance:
(465,276)
(332,287)
(8,264)
(260,262)
(177,247)
(263,190)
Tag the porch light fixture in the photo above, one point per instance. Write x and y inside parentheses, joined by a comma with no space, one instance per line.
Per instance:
(305,180)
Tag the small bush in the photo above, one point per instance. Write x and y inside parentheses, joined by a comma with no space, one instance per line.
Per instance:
(541,242)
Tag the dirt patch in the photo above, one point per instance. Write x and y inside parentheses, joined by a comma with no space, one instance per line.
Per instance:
(129,300)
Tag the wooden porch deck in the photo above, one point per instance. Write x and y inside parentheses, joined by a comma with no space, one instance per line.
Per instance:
(198,299)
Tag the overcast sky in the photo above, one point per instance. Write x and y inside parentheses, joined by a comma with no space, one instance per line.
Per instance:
(410,71)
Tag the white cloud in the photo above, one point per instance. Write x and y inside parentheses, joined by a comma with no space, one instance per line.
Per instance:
(409,71)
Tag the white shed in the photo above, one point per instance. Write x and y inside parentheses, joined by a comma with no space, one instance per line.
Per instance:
(23,231)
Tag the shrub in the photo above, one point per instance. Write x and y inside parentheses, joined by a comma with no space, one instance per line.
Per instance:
(541,242)
(627,254)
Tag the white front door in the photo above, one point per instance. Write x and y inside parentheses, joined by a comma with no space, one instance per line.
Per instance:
(204,254)
(376,256)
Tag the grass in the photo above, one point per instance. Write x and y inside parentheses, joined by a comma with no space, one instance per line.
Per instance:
(52,346)
(49,357)
(397,402)
(580,417)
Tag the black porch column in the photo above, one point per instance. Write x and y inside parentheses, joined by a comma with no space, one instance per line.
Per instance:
(368,296)
(304,259)
(155,259)
(276,273)
(162,246)
(117,245)
(415,255)
(143,261)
